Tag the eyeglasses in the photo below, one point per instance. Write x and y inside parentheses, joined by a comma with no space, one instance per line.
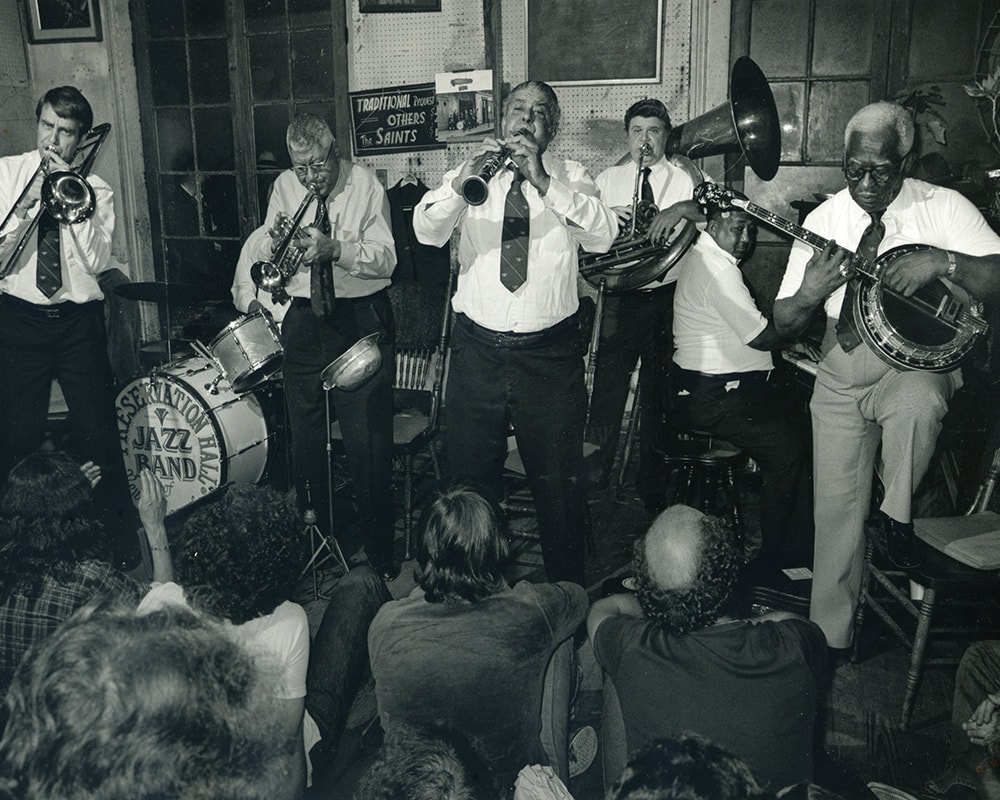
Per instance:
(302,170)
(880,175)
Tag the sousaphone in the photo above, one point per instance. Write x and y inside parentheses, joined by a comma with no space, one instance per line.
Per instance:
(748,124)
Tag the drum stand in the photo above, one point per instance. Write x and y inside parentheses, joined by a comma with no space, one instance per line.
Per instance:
(323,546)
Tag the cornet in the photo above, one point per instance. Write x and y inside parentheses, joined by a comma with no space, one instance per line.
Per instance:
(273,276)
(66,196)
(475,188)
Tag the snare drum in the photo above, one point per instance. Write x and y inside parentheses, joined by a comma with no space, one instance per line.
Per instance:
(248,350)
(185,423)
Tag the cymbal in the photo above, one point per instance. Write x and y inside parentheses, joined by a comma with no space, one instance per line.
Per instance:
(160,292)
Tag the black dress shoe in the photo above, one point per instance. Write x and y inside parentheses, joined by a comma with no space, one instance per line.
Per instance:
(901,545)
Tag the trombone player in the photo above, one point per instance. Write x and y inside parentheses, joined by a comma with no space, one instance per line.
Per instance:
(52,309)
(639,322)
(337,296)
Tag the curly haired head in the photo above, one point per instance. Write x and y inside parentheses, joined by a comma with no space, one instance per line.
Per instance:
(688,767)
(46,513)
(240,555)
(686,567)
(115,706)
(460,548)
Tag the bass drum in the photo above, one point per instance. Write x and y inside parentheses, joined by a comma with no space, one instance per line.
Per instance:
(185,423)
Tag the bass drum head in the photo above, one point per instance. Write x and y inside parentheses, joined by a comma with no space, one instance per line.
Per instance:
(186,425)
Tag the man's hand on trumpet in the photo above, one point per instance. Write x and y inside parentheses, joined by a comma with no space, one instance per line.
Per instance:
(318,247)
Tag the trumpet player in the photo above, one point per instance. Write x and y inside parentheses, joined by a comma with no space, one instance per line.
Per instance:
(337,295)
(52,311)
(516,355)
(638,323)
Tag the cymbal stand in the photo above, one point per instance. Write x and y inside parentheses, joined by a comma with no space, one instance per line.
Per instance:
(324,547)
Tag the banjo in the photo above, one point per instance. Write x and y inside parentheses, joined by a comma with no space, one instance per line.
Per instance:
(931,331)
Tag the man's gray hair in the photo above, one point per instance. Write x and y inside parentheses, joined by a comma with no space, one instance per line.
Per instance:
(307,130)
(878,118)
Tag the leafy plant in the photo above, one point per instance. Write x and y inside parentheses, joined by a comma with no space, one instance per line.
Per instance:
(986,93)
(922,102)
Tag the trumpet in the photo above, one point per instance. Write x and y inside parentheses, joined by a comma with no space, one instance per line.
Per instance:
(475,188)
(273,276)
(66,195)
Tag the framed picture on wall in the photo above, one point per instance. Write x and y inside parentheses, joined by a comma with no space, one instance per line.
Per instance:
(63,21)
(376,6)
(577,42)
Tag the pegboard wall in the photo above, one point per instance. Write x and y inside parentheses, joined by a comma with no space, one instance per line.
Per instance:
(17,104)
(394,49)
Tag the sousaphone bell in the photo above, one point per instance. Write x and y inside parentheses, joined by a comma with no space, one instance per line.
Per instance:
(747,123)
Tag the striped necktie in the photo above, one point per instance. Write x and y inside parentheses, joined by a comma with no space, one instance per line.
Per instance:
(847,325)
(514,241)
(321,291)
(48,264)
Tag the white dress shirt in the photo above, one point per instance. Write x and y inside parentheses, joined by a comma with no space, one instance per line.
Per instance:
(671,184)
(359,220)
(715,317)
(244,290)
(569,215)
(85,246)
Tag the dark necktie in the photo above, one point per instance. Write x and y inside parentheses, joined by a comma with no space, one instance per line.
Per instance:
(515,239)
(48,265)
(647,189)
(847,325)
(321,291)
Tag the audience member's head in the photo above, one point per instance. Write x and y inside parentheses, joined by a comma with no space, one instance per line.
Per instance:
(115,706)
(460,547)
(688,767)
(46,514)
(686,567)
(427,764)
(240,555)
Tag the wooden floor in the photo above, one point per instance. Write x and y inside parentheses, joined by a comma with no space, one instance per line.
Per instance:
(857,738)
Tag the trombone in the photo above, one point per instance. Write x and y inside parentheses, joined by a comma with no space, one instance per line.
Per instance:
(66,196)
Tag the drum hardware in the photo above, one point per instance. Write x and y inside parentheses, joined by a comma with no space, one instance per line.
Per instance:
(248,350)
(748,124)
(66,196)
(931,331)
(355,366)
(475,188)
(272,276)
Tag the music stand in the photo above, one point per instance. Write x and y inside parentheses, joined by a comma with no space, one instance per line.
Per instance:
(323,546)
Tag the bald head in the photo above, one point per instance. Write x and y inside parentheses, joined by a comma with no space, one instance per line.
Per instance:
(673,547)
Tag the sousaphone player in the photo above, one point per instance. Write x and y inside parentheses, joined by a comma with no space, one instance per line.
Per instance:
(337,296)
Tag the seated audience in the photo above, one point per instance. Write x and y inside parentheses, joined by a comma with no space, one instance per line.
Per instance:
(974,739)
(679,658)
(116,706)
(470,652)
(239,557)
(52,551)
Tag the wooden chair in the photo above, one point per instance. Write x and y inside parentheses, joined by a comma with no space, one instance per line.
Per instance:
(418,389)
(947,584)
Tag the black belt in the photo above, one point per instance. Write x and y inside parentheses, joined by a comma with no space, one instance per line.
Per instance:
(54,311)
(305,302)
(514,340)
(690,379)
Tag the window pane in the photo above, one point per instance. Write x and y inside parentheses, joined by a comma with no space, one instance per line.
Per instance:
(312,63)
(213,129)
(265,15)
(168,73)
(165,19)
(306,13)
(788,99)
(831,105)
(173,135)
(206,17)
(209,71)
(771,45)
(180,204)
(938,50)
(842,42)
(269,67)
(218,197)
(269,126)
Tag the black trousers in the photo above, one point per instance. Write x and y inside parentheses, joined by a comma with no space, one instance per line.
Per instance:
(750,415)
(635,324)
(68,343)
(539,389)
(365,414)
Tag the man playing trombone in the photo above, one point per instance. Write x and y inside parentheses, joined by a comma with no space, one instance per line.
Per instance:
(51,306)
(346,256)
(516,357)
